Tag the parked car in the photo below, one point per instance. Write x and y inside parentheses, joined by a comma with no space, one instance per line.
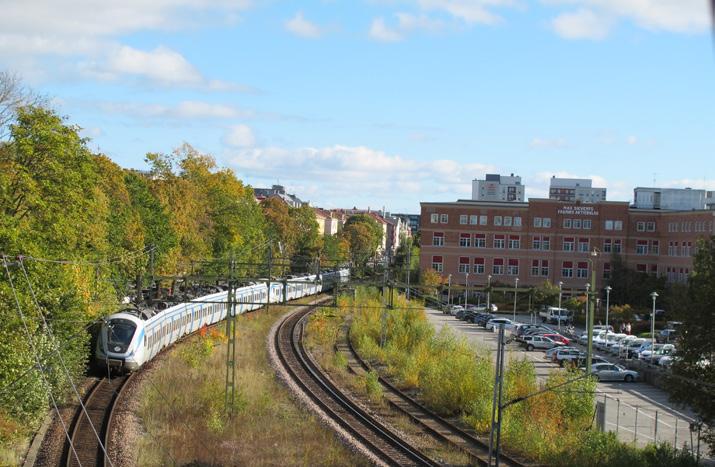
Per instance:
(667,335)
(594,360)
(539,342)
(630,349)
(558,337)
(665,357)
(567,355)
(454,309)
(552,314)
(549,354)
(526,328)
(483,318)
(600,338)
(612,340)
(616,348)
(493,324)
(583,338)
(602,327)
(646,354)
(612,372)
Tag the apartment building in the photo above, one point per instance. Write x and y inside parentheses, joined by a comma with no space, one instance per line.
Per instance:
(545,239)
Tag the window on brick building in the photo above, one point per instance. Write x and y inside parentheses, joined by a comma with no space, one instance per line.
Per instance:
(463,218)
(607,245)
(545,267)
(478,265)
(568,244)
(512,268)
(465,240)
(483,220)
(640,226)
(650,226)
(517,221)
(617,245)
(463,264)
(498,266)
(655,247)
(443,218)
(583,245)
(537,222)
(536,243)
(499,241)
(473,220)
(545,243)
(438,239)
(607,270)
(514,242)
(617,225)
(567,269)
(642,247)
(587,224)
(535,271)
(507,221)
(437,263)
(546,222)
(582,271)
(576,223)
(434,218)
(480,240)
(497,220)
(567,223)
(654,269)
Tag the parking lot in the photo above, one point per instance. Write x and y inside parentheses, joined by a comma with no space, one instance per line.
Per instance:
(631,409)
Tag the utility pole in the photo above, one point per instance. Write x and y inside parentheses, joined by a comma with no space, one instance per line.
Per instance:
(409,267)
(230,395)
(496,400)
(592,311)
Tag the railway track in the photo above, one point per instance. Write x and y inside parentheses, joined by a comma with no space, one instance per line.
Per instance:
(85,449)
(444,430)
(382,441)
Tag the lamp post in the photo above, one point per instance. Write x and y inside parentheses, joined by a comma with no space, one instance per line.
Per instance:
(561,285)
(591,288)
(466,288)
(653,295)
(516,285)
(489,291)
(449,290)
(608,302)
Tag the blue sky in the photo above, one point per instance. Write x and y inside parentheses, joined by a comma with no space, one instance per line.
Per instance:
(385,102)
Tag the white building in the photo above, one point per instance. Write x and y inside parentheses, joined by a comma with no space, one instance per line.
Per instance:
(575,189)
(497,187)
(677,199)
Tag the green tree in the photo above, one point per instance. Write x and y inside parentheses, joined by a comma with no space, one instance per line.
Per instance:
(693,378)
(364,235)
(547,294)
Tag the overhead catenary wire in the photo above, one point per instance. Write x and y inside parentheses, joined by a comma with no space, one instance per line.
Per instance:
(36,355)
(56,349)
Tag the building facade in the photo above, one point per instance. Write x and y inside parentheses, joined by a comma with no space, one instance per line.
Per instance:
(575,189)
(553,240)
(497,187)
(279,191)
(683,199)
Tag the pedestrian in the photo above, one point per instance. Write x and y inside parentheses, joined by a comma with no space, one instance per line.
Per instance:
(623,327)
(628,328)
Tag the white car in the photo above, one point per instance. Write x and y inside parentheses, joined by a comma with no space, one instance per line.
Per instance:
(615,349)
(660,349)
(493,324)
(612,340)
(455,308)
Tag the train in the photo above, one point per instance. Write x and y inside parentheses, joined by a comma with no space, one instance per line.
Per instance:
(130,338)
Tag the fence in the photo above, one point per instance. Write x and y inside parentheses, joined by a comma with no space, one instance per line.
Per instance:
(640,426)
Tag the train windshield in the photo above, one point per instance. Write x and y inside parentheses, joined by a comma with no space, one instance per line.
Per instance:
(119,335)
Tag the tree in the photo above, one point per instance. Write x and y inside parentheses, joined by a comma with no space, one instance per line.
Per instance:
(431,280)
(407,250)
(547,294)
(335,249)
(364,235)
(633,287)
(14,95)
(693,377)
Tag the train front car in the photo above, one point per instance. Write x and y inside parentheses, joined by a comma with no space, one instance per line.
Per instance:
(119,344)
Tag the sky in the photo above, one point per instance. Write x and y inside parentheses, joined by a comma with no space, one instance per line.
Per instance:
(384,103)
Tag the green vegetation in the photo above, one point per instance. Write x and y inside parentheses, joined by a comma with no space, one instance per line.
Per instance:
(454,378)
(267,428)
(693,378)
(59,200)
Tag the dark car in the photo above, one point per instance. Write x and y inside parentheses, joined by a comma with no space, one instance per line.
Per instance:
(482,319)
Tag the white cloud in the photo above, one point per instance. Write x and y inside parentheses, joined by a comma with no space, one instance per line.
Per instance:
(80,37)
(582,24)
(239,136)
(300,26)
(190,110)
(593,18)
(409,22)
(469,11)
(380,32)
(545,143)
(353,171)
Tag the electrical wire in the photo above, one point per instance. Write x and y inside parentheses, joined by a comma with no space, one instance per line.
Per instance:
(61,360)
(117,260)
(37,359)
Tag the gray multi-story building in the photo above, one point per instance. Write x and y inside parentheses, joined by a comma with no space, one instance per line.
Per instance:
(677,199)
(279,191)
(497,187)
(575,189)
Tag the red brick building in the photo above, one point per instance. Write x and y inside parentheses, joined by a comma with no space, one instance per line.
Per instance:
(552,240)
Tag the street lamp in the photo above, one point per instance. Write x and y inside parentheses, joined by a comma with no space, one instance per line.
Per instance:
(489,290)
(516,284)
(449,290)
(466,288)
(592,311)
(653,295)
(608,302)
(561,285)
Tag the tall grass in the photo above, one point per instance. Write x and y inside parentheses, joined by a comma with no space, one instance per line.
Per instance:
(456,378)
(182,408)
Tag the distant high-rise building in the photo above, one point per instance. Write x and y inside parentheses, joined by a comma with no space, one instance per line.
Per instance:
(676,199)
(497,187)
(575,189)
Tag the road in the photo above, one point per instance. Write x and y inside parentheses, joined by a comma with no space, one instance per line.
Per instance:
(631,408)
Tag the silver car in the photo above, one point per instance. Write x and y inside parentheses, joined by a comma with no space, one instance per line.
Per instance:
(611,372)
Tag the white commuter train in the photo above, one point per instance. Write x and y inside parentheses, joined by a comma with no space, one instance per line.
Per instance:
(127,340)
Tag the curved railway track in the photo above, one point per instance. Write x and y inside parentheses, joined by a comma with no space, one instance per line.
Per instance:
(85,436)
(444,430)
(383,442)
